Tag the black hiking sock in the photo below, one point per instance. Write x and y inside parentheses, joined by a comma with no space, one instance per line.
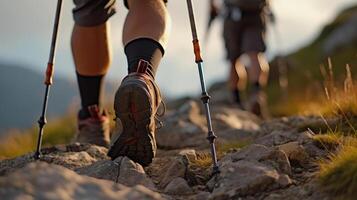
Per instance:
(236,96)
(256,87)
(89,90)
(146,49)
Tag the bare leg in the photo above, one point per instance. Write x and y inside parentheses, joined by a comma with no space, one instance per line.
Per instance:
(237,79)
(91,49)
(156,20)
(233,77)
(91,54)
(242,75)
(258,69)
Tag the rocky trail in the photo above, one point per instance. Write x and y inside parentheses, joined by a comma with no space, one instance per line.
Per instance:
(273,159)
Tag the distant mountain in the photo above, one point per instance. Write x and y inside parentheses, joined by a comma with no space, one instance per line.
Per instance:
(337,40)
(21,96)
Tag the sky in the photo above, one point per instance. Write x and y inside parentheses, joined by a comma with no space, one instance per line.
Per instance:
(26,28)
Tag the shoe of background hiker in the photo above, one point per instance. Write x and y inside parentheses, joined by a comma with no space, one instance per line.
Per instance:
(258,104)
(136,104)
(94,129)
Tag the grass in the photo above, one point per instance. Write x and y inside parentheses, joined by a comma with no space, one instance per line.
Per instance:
(233,145)
(334,97)
(58,131)
(338,174)
(328,142)
(204,159)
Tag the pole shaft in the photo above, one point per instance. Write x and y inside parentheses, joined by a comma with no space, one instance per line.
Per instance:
(55,32)
(48,79)
(192,19)
(51,57)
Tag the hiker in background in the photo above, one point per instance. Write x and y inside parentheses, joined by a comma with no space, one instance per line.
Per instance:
(145,35)
(243,32)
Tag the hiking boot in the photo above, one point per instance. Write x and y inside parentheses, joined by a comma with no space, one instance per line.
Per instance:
(258,104)
(136,103)
(94,129)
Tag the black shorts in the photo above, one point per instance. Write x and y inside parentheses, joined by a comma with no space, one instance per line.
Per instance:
(94,12)
(246,35)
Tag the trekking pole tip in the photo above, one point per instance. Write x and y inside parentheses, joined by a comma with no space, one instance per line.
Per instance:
(37,155)
(215,170)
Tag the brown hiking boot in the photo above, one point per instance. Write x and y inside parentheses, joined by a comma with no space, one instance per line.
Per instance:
(258,104)
(95,129)
(136,103)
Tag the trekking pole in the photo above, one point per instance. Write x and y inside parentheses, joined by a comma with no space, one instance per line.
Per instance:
(48,79)
(205,97)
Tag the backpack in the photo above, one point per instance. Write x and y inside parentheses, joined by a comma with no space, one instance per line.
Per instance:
(247,5)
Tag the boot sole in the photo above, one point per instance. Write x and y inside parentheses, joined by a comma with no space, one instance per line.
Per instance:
(132,106)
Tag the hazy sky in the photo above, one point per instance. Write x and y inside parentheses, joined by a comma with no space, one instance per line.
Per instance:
(26,27)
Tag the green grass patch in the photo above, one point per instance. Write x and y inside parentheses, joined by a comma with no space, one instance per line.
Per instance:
(329,142)
(233,145)
(204,158)
(58,131)
(338,174)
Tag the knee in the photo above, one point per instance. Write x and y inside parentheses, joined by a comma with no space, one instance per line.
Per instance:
(93,12)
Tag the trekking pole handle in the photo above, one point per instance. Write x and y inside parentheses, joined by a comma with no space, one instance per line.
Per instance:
(50,65)
(195,41)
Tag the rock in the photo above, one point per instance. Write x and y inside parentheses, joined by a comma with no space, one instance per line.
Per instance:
(178,186)
(251,152)
(278,160)
(284,180)
(177,168)
(296,153)
(164,169)
(263,154)
(277,137)
(40,180)
(72,156)
(187,125)
(305,137)
(306,191)
(121,170)
(243,178)
(200,196)
(71,160)
(254,169)
(7,166)
(224,117)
